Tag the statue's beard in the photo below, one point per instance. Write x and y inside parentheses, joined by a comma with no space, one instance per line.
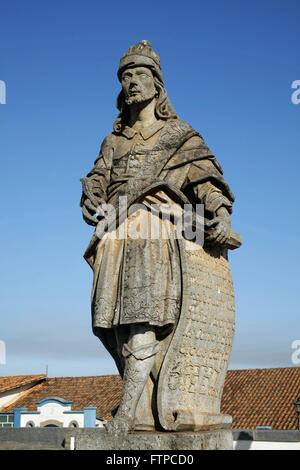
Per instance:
(139,97)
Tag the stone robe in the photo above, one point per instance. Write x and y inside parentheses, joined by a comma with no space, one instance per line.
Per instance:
(139,280)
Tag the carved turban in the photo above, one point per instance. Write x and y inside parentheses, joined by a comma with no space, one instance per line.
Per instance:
(141,55)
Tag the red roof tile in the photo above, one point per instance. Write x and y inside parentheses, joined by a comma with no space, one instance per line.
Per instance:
(104,392)
(15,381)
(262,397)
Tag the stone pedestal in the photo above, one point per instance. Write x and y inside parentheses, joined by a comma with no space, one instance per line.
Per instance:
(99,439)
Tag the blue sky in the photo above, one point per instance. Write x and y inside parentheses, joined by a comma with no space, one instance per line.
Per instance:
(228,67)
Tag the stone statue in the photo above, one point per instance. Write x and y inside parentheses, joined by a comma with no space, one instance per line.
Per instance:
(162,306)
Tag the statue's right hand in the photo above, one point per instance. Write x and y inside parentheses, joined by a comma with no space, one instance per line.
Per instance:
(88,211)
(90,200)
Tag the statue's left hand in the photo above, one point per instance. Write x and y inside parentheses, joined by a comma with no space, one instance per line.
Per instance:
(218,230)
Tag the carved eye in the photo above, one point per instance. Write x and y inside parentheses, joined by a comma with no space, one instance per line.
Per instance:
(125,77)
(142,74)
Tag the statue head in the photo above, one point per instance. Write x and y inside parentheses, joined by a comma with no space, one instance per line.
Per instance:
(141,78)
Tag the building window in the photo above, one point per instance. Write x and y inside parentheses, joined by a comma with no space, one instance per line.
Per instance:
(73,424)
(51,423)
(30,424)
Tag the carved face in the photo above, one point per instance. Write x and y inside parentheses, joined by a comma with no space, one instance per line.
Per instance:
(138,85)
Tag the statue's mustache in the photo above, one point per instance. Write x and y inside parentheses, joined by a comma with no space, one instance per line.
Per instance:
(134,90)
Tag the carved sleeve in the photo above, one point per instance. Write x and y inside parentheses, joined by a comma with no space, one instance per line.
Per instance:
(95,183)
(208,187)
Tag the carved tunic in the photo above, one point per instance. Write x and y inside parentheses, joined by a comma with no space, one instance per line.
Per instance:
(139,280)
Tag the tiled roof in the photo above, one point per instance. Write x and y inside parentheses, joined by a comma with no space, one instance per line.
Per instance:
(104,392)
(253,397)
(15,381)
(262,397)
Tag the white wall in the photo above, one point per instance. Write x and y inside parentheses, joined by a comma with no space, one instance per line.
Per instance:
(265,445)
(55,413)
(6,398)
(52,413)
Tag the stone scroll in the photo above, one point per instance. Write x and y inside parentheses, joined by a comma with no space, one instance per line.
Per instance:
(193,373)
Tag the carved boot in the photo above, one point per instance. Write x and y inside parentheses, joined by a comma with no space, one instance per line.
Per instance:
(144,419)
(138,365)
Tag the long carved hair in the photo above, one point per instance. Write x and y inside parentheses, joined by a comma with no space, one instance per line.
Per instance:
(163,108)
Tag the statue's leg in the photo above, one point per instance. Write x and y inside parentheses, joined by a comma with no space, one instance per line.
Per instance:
(146,415)
(139,354)
(144,419)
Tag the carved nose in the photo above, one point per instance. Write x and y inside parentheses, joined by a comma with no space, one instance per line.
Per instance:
(133,82)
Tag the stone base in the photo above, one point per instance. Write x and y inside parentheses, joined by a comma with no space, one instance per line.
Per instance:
(99,439)
(199,421)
